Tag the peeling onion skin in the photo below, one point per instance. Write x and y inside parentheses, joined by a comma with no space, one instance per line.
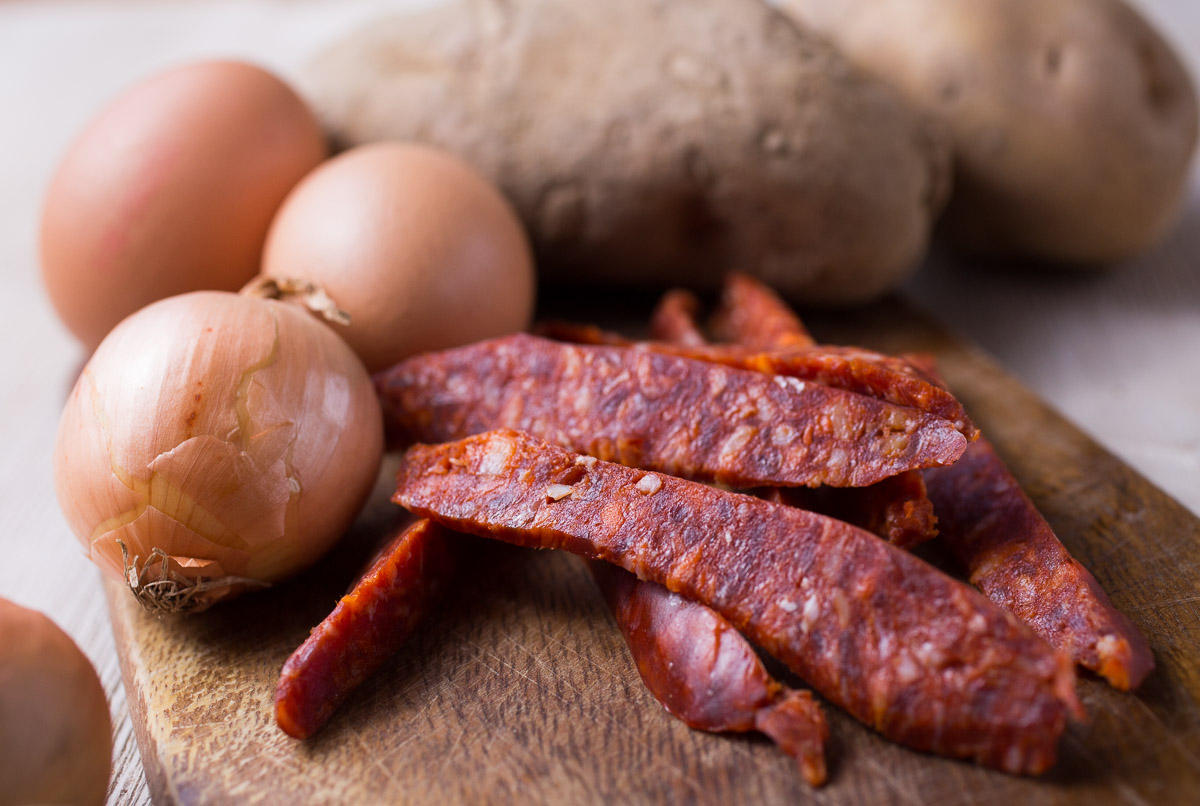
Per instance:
(55,731)
(238,436)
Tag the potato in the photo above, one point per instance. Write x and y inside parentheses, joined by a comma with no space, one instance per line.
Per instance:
(648,142)
(1073,122)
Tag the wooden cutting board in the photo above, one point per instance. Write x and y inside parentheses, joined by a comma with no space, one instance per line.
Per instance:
(521,689)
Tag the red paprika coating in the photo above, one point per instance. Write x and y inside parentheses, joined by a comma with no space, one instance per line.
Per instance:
(922,658)
(670,413)
(367,626)
(1014,557)
(705,673)
(752,315)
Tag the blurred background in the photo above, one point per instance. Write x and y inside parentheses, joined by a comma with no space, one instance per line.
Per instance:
(1118,353)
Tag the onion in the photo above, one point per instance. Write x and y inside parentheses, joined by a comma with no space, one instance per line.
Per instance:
(420,250)
(215,443)
(55,732)
(170,189)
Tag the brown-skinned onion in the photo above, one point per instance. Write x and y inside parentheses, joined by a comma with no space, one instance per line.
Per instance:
(414,244)
(214,443)
(170,189)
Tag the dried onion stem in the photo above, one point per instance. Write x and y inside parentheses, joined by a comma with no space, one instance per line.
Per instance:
(302,292)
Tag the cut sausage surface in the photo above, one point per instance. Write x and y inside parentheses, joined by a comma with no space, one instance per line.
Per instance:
(690,418)
(924,659)
(1012,555)
(367,626)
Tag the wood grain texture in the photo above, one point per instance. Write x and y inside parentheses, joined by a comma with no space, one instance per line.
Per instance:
(521,688)
(1092,346)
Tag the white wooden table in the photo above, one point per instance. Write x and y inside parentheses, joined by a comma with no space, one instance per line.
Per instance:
(1118,354)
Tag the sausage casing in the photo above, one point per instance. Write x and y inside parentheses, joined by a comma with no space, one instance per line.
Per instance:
(924,659)
(679,415)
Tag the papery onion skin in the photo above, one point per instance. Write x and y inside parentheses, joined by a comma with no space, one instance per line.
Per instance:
(237,436)
(55,730)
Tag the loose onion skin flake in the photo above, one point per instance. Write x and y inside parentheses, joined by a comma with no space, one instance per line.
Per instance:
(55,731)
(214,443)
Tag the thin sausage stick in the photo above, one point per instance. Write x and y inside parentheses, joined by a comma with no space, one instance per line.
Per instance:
(1011,553)
(706,674)
(851,369)
(1013,556)
(924,659)
(753,315)
(670,413)
(674,319)
(367,627)
(898,508)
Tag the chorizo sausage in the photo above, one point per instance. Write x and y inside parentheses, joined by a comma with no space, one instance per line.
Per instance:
(674,319)
(1013,556)
(670,413)
(898,508)
(706,674)
(367,626)
(1011,553)
(753,315)
(852,369)
(924,659)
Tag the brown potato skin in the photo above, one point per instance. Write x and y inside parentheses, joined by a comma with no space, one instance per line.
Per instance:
(651,143)
(1073,121)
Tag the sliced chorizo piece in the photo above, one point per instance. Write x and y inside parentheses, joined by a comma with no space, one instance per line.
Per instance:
(670,413)
(796,723)
(753,315)
(706,674)
(674,319)
(924,659)
(367,626)
(898,508)
(866,372)
(1010,552)
(852,369)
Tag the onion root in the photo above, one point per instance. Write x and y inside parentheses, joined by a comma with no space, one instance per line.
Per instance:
(174,592)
